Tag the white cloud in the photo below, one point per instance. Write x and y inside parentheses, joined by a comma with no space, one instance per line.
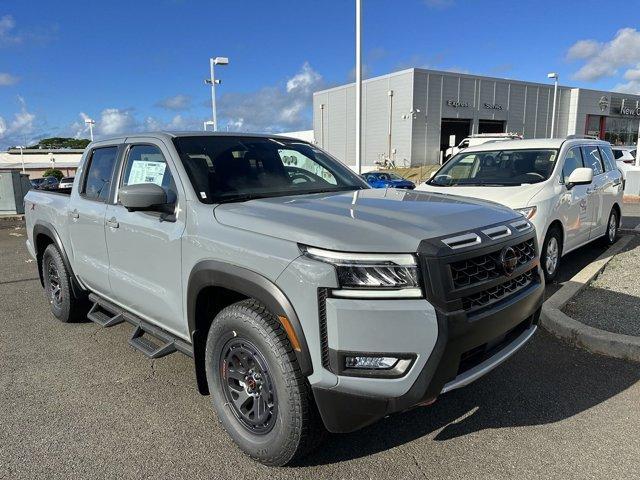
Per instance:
(7,35)
(114,121)
(21,127)
(7,79)
(583,49)
(177,102)
(604,59)
(274,108)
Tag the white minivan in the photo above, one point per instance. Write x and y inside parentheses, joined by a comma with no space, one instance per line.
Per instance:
(570,189)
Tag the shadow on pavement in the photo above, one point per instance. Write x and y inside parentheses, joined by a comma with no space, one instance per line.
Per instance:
(544,383)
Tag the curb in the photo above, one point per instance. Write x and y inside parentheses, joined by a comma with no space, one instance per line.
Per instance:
(611,344)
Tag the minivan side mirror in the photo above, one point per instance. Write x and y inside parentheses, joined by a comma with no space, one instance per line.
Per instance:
(580,176)
(143,197)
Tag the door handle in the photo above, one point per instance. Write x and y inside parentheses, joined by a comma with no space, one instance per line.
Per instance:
(113,223)
(74,214)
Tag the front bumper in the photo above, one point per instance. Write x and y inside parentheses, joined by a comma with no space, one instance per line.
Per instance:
(478,326)
(491,339)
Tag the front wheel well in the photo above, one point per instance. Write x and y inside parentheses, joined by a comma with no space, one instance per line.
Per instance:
(209,302)
(556,225)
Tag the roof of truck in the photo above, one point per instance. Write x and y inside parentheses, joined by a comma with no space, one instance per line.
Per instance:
(173,134)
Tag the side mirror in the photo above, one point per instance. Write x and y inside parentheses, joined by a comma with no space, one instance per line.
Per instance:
(143,196)
(580,176)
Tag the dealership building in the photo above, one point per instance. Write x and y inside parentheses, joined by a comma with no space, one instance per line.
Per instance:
(410,116)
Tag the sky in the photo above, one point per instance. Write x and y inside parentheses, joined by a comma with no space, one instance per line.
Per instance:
(140,65)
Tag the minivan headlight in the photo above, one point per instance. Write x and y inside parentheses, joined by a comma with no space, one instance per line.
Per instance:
(371,275)
(527,212)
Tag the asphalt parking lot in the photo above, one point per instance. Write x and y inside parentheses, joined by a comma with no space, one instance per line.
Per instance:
(77,402)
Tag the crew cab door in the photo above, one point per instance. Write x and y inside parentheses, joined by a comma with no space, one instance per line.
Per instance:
(87,207)
(575,207)
(145,246)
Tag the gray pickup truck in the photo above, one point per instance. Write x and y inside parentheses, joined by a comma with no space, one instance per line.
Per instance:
(308,301)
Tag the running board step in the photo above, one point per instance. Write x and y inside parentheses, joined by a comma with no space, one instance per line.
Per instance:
(149,348)
(103,317)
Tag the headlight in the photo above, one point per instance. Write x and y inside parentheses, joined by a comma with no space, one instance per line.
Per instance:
(527,212)
(365,275)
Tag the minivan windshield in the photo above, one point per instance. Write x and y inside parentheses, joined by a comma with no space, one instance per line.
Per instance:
(237,168)
(497,168)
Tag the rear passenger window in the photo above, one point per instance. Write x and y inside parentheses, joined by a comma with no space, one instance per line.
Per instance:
(592,159)
(607,157)
(572,161)
(97,180)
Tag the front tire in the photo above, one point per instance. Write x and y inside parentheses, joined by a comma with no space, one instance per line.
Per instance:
(612,228)
(550,255)
(65,306)
(258,391)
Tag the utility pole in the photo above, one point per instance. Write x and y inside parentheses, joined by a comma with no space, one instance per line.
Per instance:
(358,87)
(555,97)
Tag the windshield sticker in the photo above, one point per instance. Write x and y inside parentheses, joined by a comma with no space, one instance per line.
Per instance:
(146,172)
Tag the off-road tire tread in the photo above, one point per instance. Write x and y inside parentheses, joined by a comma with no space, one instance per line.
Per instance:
(308,430)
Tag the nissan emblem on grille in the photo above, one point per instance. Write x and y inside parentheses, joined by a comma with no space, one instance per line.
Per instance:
(508,260)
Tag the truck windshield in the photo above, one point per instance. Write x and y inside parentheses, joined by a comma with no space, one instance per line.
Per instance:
(236,168)
(496,168)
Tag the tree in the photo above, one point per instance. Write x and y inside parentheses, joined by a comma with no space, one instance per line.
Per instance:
(61,142)
(53,172)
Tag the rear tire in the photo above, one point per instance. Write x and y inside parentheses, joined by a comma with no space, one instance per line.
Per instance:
(613,224)
(65,306)
(258,391)
(551,253)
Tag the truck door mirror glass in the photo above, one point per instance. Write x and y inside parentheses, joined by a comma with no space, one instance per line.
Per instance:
(580,176)
(143,197)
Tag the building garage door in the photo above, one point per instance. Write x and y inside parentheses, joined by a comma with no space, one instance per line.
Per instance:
(460,127)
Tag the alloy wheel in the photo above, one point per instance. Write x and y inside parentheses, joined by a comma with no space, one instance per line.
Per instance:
(551,260)
(247,385)
(55,290)
(613,227)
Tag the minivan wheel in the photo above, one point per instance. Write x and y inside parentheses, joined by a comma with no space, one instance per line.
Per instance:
(257,389)
(550,255)
(612,228)
(65,306)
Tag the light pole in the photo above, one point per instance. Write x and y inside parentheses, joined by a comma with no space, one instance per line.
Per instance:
(90,123)
(213,82)
(21,157)
(206,123)
(555,96)
(358,87)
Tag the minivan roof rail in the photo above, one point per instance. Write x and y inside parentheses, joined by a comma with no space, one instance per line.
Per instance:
(589,137)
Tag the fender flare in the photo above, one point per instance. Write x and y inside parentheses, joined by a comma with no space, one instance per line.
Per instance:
(213,273)
(42,227)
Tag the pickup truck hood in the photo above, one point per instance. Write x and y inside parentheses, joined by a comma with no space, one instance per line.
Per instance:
(371,220)
(517,196)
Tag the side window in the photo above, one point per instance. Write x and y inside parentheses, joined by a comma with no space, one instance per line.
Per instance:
(572,161)
(609,160)
(146,164)
(593,160)
(97,180)
(617,154)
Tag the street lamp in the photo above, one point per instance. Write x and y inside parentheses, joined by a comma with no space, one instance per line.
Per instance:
(22,157)
(213,82)
(90,123)
(358,87)
(555,76)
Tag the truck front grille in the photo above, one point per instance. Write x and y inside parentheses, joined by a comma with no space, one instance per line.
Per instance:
(496,293)
(470,271)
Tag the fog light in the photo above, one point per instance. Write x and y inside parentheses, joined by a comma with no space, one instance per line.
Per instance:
(370,363)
